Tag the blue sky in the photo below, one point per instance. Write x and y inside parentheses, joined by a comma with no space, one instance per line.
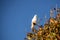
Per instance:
(16,16)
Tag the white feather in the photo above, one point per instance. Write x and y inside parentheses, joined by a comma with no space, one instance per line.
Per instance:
(34,20)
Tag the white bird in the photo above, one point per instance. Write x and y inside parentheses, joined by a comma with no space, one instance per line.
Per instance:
(34,21)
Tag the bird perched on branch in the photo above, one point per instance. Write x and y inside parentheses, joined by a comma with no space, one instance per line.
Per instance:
(34,21)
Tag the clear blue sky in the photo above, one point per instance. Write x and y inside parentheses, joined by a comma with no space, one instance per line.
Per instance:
(16,16)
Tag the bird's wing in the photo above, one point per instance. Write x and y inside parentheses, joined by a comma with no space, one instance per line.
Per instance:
(34,19)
